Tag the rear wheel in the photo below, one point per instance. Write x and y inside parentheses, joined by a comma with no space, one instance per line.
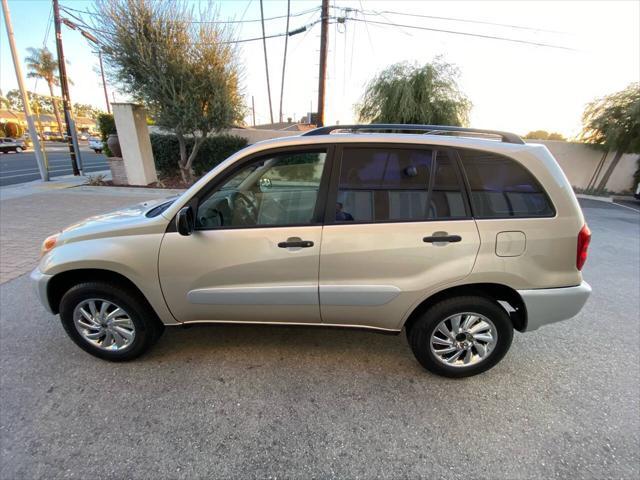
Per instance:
(18,149)
(461,336)
(108,321)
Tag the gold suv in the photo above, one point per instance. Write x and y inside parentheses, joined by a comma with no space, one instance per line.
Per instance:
(459,236)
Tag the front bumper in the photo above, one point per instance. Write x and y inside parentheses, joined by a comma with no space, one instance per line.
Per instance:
(549,305)
(40,281)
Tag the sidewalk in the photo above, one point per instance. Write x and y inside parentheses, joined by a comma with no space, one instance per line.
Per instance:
(32,211)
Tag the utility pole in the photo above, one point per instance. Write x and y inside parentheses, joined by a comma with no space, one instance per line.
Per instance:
(104,83)
(253,110)
(72,136)
(284,58)
(33,134)
(266,63)
(322,74)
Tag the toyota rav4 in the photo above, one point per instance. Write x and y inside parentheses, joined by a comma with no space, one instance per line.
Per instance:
(458,236)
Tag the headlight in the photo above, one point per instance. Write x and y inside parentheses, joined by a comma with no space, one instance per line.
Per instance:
(49,244)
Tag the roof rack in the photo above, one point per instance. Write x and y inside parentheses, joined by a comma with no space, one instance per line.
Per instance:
(409,128)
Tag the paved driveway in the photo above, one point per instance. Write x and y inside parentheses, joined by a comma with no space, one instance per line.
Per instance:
(245,401)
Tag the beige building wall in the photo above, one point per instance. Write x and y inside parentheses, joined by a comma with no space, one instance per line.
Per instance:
(579,161)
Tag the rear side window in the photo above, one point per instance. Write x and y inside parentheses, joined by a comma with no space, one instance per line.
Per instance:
(502,188)
(392,184)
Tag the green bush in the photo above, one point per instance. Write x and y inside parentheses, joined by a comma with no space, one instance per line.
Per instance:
(213,150)
(107,126)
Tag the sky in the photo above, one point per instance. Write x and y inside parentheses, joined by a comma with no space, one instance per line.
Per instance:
(513,86)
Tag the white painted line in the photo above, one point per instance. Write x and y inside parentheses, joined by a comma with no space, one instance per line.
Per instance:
(37,173)
(35,169)
(625,206)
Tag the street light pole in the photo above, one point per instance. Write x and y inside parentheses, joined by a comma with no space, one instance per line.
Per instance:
(33,134)
(72,135)
(104,83)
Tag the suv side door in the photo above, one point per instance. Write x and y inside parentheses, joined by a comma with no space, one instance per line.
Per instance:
(381,254)
(256,244)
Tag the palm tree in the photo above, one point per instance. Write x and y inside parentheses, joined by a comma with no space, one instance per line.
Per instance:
(41,64)
(613,122)
(405,93)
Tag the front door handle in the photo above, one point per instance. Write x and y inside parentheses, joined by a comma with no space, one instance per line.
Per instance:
(293,243)
(443,238)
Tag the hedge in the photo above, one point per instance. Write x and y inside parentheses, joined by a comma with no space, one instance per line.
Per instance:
(107,126)
(212,152)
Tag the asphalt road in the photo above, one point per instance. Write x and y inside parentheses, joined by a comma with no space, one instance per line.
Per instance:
(22,167)
(247,401)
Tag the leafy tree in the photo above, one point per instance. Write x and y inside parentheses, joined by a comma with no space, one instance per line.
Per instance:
(15,100)
(613,123)
(556,136)
(185,72)
(544,135)
(41,64)
(404,93)
(84,110)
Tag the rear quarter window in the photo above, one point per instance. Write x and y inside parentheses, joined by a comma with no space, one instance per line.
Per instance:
(502,188)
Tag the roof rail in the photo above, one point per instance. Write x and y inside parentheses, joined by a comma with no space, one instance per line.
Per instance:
(409,128)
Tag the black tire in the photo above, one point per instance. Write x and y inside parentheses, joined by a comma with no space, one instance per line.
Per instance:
(419,334)
(18,150)
(148,328)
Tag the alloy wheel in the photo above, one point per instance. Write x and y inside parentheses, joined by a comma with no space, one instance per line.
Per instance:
(104,324)
(463,339)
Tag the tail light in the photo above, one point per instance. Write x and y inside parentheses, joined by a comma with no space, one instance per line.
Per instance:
(584,238)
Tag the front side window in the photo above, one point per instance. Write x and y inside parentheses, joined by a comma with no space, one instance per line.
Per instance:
(501,187)
(392,184)
(280,189)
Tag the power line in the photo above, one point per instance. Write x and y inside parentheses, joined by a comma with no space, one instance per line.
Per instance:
(464,20)
(255,20)
(455,32)
(304,28)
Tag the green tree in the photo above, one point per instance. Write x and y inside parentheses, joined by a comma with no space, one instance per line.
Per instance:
(41,64)
(544,135)
(85,110)
(404,93)
(179,65)
(613,123)
(556,136)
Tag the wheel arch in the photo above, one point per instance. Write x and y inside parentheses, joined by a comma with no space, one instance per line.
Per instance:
(63,281)
(498,293)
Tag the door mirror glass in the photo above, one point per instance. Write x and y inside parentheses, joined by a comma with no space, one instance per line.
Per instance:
(185,223)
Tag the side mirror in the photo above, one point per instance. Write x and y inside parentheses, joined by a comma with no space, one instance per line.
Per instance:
(185,221)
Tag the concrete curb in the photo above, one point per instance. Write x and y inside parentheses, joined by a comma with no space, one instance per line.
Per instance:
(127,191)
(38,186)
(595,197)
(79,185)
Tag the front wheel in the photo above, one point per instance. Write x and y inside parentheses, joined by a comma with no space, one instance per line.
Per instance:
(18,149)
(461,336)
(109,322)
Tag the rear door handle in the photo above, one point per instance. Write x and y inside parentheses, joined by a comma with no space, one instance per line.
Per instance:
(296,243)
(443,238)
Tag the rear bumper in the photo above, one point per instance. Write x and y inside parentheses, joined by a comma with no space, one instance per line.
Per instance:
(549,305)
(40,281)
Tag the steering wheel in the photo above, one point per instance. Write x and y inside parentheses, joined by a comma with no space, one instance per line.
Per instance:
(243,207)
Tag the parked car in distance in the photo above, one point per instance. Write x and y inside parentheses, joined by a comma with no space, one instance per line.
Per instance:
(95,144)
(16,145)
(83,136)
(443,232)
